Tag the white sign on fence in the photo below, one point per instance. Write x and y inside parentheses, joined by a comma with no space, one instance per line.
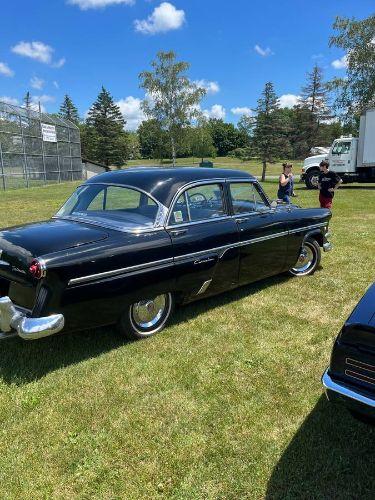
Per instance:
(49,132)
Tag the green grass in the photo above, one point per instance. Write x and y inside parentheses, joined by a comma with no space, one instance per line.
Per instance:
(226,403)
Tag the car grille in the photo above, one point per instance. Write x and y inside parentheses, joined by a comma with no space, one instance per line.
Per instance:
(360,370)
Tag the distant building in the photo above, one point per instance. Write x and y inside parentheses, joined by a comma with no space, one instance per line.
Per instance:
(92,168)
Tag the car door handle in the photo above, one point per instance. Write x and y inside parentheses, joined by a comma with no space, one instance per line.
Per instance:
(242,220)
(178,232)
(203,260)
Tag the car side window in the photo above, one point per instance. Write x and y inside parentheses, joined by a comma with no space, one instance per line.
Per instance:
(199,203)
(246,198)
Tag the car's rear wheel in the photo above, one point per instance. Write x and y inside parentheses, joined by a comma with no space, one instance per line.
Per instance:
(146,317)
(308,260)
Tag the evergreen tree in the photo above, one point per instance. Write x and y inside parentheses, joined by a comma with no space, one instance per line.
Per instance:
(173,98)
(106,126)
(68,110)
(314,109)
(269,139)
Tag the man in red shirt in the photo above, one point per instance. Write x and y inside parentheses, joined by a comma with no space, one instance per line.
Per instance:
(328,183)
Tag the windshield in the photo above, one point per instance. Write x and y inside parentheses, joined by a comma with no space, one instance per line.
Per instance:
(117,206)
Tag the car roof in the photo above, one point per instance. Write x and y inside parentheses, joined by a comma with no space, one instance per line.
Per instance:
(163,182)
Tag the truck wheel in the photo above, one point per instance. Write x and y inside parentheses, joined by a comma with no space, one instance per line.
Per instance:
(308,259)
(146,317)
(311,179)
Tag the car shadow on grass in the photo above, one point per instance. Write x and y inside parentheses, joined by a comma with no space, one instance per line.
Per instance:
(332,456)
(22,362)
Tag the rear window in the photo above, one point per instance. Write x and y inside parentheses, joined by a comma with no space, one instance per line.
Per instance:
(121,207)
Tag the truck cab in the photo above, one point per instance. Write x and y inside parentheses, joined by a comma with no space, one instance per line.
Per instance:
(342,158)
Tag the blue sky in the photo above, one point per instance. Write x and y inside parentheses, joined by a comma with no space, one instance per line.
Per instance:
(53,47)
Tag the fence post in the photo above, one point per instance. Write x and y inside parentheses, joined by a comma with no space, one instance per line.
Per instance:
(26,171)
(2,166)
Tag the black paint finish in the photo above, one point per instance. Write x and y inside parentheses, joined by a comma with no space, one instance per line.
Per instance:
(94,272)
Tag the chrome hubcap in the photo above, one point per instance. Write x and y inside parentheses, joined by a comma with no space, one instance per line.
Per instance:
(147,313)
(305,260)
(314,180)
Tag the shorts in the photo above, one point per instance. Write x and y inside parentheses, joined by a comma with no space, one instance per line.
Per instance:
(325,202)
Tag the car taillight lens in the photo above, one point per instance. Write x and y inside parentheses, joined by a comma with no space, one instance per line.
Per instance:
(36,269)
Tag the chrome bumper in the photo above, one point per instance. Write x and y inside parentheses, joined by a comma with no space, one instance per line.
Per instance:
(14,322)
(343,393)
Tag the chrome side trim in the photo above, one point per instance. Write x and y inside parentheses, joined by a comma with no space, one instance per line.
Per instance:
(330,385)
(204,287)
(306,228)
(181,258)
(124,270)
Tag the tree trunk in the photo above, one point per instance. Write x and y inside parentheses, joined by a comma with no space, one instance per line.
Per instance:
(264,163)
(173,151)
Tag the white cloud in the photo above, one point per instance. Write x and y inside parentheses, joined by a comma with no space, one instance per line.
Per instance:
(164,18)
(209,87)
(98,4)
(216,111)
(8,100)
(340,63)
(263,52)
(288,100)
(56,84)
(5,70)
(317,56)
(35,50)
(60,63)
(42,99)
(36,83)
(38,51)
(130,108)
(242,111)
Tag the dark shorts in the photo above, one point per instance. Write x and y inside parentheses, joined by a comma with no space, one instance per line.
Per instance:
(324,201)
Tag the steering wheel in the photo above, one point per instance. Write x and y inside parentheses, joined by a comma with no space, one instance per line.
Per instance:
(197,198)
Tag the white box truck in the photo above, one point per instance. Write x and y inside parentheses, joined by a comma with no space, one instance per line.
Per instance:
(352,158)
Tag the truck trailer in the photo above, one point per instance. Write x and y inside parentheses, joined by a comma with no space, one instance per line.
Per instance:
(352,158)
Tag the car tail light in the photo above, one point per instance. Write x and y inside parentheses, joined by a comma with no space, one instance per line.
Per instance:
(37,269)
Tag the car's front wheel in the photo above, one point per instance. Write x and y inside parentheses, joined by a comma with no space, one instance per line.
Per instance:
(146,317)
(308,260)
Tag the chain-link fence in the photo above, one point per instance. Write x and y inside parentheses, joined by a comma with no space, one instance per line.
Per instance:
(37,148)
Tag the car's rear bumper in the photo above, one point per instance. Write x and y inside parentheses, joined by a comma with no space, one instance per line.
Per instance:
(354,399)
(13,321)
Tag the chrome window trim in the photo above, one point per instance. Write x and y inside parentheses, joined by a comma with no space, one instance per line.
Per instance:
(109,226)
(157,224)
(261,192)
(184,189)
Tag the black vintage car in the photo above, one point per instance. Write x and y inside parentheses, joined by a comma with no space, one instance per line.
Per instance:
(350,378)
(128,245)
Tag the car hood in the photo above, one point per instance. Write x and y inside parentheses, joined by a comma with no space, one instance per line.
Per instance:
(23,243)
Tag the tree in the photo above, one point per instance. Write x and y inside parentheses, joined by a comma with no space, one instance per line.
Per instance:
(270,139)
(106,129)
(68,110)
(201,143)
(225,136)
(314,109)
(154,142)
(356,91)
(172,98)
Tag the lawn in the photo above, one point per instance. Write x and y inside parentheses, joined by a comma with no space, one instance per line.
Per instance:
(226,403)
